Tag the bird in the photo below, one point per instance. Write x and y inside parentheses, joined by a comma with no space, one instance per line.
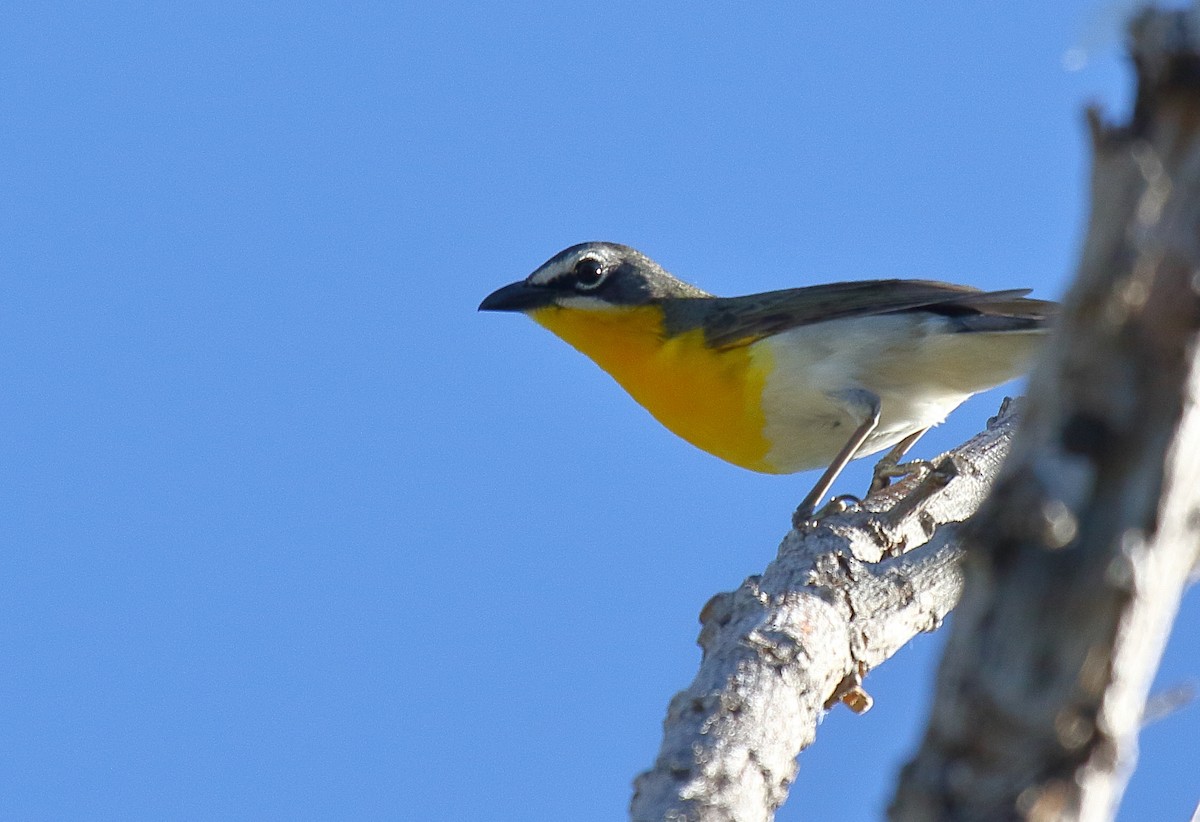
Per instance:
(789,380)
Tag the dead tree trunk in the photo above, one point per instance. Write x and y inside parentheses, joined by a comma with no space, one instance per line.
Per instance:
(1078,559)
(1081,559)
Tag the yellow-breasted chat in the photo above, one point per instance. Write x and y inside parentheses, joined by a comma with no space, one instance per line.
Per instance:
(788,380)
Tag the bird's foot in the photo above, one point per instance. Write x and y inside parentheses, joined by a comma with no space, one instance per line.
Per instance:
(805,515)
(889,469)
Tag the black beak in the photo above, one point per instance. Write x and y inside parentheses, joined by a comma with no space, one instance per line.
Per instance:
(519,296)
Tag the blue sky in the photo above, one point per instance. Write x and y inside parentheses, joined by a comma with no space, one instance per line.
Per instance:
(293,532)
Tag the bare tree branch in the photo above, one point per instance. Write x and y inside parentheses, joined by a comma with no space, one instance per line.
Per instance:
(1085,547)
(1079,557)
(839,600)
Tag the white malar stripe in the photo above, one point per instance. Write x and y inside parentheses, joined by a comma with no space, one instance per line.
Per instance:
(582,302)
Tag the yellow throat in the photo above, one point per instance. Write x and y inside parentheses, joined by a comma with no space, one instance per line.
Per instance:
(711,398)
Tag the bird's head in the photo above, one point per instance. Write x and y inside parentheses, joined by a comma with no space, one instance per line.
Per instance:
(591,277)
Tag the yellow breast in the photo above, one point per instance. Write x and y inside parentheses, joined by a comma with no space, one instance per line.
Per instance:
(710,398)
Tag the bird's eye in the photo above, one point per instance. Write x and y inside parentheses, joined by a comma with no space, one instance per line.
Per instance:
(589,273)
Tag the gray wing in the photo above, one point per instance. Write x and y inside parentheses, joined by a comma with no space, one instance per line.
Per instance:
(732,321)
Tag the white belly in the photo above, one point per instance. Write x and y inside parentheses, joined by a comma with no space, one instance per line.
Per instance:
(914,363)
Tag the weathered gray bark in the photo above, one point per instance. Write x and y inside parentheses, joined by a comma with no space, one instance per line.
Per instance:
(1081,554)
(1079,557)
(839,600)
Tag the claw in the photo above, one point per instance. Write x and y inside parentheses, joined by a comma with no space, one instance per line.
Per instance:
(887,471)
(890,466)
(838,505)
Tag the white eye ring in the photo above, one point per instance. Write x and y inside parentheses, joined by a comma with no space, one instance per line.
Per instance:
(588,274)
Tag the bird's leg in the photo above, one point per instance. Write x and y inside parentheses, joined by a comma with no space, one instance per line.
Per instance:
(890,467)
(862,404)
